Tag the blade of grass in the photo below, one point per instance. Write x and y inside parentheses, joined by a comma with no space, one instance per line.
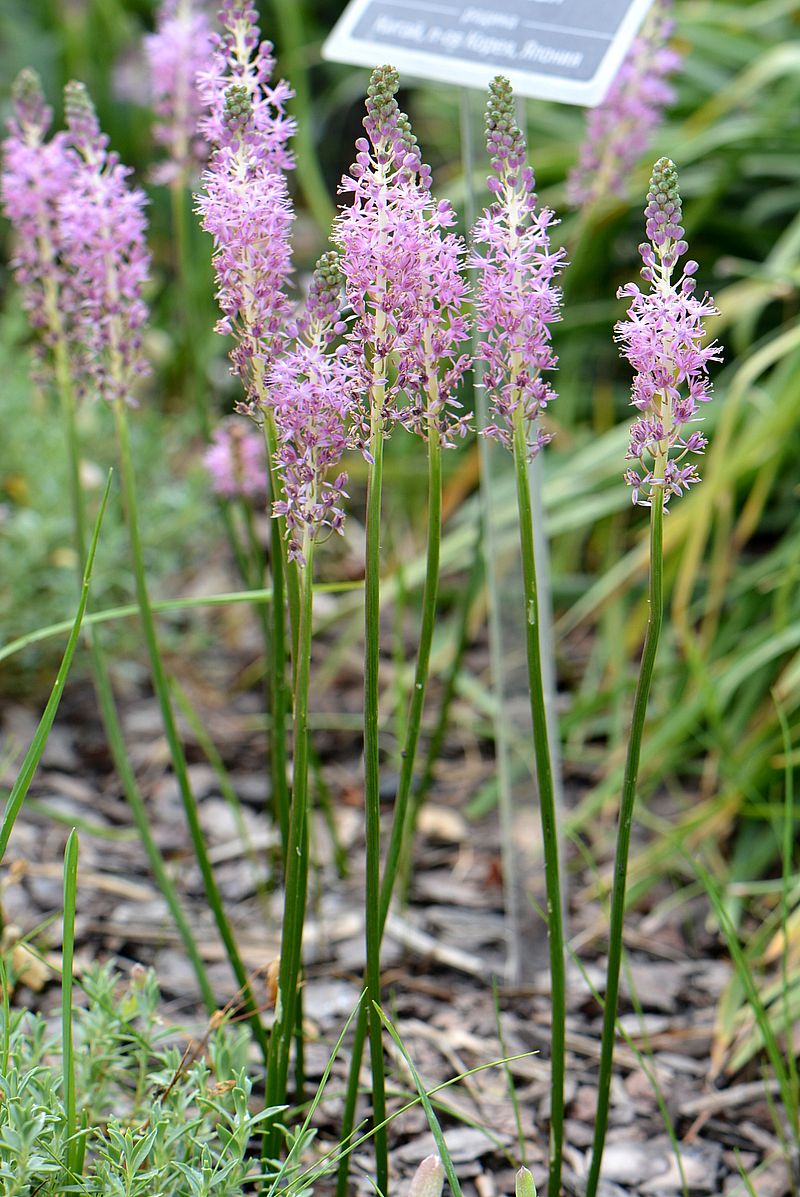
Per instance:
(512,1088)
(331,1158)
(6,1000)
(433,1121)
(787,853)
(68,958)
(212,755)
(161,686)
(314,1103)
(745,1178)
(34,753)
(748,983)
(162,607)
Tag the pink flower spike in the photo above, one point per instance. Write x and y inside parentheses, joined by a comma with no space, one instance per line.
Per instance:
(618,130)
(236,460)
(102,240)
(311,395)
(245,204)
(663,338)
(402,273)
(176,52)
(517,297)
(36,174)
(240,58)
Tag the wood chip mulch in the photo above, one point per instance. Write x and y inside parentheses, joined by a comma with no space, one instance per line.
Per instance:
(442,951)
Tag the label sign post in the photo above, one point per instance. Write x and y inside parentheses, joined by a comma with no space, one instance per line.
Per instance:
(562,50)
(567,50)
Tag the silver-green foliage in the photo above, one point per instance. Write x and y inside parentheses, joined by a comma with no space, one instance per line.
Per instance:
(145,1134)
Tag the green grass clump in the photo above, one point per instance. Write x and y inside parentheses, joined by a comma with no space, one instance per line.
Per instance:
(151,1118)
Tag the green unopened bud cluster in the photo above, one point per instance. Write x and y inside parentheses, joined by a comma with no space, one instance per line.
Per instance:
(28,99)
(504,139)
(238,106)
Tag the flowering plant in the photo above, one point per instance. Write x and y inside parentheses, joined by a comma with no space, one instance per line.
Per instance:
(517,298)
(176,53)
(517,301)
(381,340)
(663,339)
(103,245)
(619,129)
(245,201)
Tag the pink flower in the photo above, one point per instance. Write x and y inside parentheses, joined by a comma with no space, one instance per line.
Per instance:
(431,360)
(662,338)
(102,241)
(176,52)
(36,174)
(517,299)
(618,130)
(312,392)
(402,274)
(236,460)
(245,205)
(241,59)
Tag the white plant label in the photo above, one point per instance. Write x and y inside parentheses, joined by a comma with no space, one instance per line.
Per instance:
(566,50)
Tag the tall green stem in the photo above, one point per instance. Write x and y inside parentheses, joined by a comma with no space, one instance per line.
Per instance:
(372,800)
(291,573)
(161,687)
(296,863)
(102,678)
(402,826)
(277,700)
(466,604)
(547,805)
(285,584)
(655,619)
(30,763)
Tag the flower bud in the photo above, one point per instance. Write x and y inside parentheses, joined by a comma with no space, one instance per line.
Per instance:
(428,1179)
(30,107)
(524,1184)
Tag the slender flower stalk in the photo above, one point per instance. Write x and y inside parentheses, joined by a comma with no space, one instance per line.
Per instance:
(618,131)
(245,207)
(662,338)
(430,365)
(36,174)
(102,233)
(385,240)
(517,301)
